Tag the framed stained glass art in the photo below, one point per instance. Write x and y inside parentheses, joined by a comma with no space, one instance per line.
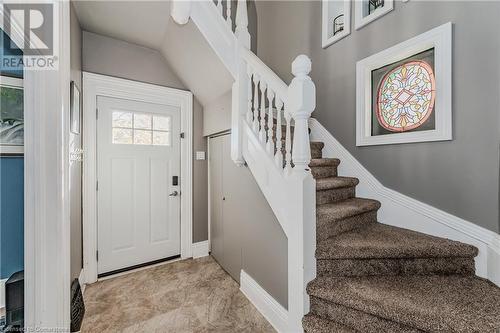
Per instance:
(404,93)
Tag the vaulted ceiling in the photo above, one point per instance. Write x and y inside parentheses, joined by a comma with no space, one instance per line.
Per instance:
(148,23)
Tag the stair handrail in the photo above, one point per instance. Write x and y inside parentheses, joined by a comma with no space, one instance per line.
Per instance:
(262,69)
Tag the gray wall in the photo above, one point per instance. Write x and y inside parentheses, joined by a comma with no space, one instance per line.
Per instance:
(459,176)
(246,234)
(108,56)
(195,62)
(217,115)
(76,168)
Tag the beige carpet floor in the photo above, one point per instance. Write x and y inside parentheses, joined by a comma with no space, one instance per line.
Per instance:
(184,296)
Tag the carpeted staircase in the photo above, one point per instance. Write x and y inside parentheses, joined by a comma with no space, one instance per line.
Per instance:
(376,278)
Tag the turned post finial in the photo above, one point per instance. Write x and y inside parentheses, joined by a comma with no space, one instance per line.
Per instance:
(180,11)
(242,24)
(301,102)
(301,66)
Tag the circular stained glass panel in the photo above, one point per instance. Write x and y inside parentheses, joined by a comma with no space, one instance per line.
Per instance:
(405,97)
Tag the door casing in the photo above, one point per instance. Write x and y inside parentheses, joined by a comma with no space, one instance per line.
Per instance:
(101,85)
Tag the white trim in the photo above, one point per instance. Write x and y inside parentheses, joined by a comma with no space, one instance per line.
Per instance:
(200,249)
(11,82)
(100,85)
(209,198)
(327,41)
(2,293)
(273,311)
(360,20)
(46,188)
(403,211)
(440,39)
(81,280)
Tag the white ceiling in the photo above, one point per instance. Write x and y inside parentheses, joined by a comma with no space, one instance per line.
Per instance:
(138,22)
(148,23)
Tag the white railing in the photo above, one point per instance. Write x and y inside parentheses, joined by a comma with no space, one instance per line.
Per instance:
(264,109)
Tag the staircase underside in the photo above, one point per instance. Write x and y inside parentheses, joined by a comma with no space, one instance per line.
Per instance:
(379,278)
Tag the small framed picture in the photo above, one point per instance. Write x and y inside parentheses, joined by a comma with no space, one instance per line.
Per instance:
(367,11)
(336,21)
(75,109)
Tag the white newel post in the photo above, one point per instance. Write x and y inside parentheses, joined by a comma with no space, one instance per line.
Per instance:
(302,233)
(240,90)
(301,103)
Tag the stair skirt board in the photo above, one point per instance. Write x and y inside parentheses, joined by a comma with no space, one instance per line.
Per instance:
(417,216)
(273,311)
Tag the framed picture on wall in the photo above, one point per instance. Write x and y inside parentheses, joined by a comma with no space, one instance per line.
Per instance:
(366,11)
(336,21)
(75,109)
(403,94)
(11,116)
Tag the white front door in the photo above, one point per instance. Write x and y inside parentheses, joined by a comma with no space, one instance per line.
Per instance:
(138,168)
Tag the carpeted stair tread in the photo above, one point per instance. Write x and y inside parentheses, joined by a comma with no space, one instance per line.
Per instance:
(335,183)
(317,144)
(315,324)
(347,208)
(431,303)
(324,162)
(396,266)
(357,320)
(384,241)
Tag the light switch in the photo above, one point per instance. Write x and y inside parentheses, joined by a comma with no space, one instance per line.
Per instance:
(200,155)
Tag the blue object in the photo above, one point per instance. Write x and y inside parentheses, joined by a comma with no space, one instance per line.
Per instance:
(11,192)
(11,215)
(7,51)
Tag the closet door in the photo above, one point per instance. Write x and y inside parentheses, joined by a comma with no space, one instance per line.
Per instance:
(234,196)
(215,159)
(225,194)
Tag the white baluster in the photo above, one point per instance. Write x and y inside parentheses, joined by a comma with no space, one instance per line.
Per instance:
(301,102)
(219,7)
(242,24)
(249,97)
(262,131)
(228,15)
(278,157)
(288,142)
(270,123)
(255,126)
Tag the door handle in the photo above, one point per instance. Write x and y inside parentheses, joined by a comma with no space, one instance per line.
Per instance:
(173,194)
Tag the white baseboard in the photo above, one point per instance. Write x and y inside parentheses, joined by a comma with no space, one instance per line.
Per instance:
(81,279)
(200,249)
(276,314)
(2,293)
(405,212)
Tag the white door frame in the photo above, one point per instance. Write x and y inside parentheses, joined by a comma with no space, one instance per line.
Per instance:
(101,85)
(46,184)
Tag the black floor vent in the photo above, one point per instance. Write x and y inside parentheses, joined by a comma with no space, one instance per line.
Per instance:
(77,306)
